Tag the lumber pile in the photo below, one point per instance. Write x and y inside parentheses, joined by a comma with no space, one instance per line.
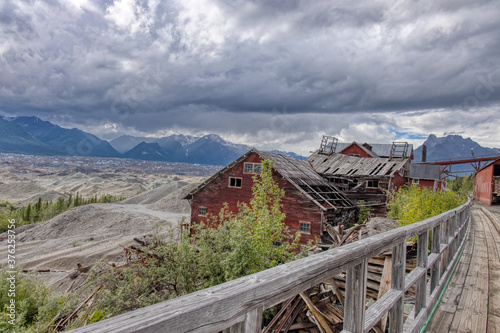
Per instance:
(321,308)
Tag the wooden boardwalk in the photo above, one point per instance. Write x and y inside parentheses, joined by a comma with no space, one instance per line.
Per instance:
(471,302)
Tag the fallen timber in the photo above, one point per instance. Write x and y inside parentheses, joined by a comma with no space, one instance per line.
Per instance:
(237,306)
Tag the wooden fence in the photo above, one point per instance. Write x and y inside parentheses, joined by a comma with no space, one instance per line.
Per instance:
(237,306)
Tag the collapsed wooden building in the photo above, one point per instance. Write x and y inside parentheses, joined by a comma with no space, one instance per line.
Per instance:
(366,179)
(312,204)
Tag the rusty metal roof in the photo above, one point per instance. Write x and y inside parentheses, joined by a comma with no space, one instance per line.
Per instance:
(352,166)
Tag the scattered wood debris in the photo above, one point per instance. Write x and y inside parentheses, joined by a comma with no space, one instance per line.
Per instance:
(321,309)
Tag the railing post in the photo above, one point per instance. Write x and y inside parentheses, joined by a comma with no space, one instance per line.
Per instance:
(398,283)
(436,248)
(355,298)
(422,256)
(236,328)
(253,321)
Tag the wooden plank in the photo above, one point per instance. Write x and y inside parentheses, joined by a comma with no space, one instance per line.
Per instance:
(493,241)
(422,253)
(397,283)
(322,324)
(253,321)
(471,314)
(385,285)
(443,317)
(354,312)
(436,250)
(376,312)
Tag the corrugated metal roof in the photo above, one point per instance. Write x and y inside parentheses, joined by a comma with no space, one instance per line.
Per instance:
(351,166)
(425,171)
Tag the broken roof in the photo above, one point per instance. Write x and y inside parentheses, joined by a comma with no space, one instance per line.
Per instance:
(352,166)
(301,175)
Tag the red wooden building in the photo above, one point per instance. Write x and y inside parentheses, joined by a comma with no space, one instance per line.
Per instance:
(309,204)
(427,175)
(487,184)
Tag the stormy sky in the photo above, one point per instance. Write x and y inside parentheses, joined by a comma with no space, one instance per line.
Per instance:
(268,73)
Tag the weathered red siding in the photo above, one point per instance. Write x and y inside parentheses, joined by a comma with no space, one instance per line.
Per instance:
(295,205)
(428,183)
(397,181)
(354,149)
(484,185)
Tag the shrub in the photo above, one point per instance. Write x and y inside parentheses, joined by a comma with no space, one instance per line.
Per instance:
(413,204)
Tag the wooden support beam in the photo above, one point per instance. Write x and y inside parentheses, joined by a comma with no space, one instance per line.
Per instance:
(436,249)
(354,312)
(422,256)
(397,283)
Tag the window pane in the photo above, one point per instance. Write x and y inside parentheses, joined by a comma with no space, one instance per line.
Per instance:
(305,227)
(238,182)
(248,167)
(256,168)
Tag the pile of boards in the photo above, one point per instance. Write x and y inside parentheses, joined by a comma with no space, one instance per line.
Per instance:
(321,308)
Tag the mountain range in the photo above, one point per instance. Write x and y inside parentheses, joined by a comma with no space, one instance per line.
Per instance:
(33,136)
(453,147)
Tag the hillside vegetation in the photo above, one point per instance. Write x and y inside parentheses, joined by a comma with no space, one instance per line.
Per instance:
(45,210)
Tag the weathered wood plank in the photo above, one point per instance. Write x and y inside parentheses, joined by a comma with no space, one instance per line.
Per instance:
(443,317)
(385,285)
(355,298)
(422,253)
(397,283)
(471,314)
(436,250)
(493,241)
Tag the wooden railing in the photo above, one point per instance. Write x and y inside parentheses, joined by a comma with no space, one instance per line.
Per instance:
(237,306)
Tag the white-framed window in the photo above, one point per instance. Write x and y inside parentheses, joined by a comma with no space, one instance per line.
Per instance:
(305,227)
(415,181)
(235,182)
(251,168)
(355,155)
(372,184)
(202,211)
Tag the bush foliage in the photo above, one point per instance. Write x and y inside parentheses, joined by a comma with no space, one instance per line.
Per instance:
(413,204)
(36,306)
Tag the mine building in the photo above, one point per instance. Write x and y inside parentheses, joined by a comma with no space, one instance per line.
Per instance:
(363,178)
(310,203)
(487,184)
(427,175)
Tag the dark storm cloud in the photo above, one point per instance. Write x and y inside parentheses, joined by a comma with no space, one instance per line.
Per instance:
(197,65)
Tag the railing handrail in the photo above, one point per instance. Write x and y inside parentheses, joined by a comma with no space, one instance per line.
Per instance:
(239,303)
